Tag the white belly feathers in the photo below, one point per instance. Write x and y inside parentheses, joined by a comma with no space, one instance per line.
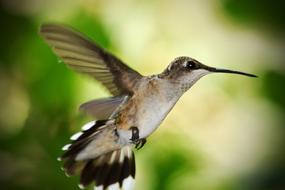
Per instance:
(152,113)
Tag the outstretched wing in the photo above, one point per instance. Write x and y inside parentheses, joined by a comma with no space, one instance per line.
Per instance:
(84,56)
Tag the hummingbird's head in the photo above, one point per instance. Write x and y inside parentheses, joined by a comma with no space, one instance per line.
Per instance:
(186,71)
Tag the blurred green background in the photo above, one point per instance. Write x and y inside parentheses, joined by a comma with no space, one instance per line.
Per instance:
(226,133)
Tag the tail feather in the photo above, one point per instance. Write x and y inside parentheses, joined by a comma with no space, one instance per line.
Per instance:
(104,170)
(129,168)
(84,138)
(72,167)
(109,169)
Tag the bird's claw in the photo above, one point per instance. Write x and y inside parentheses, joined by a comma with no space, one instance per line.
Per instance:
(135,134)
(139,143)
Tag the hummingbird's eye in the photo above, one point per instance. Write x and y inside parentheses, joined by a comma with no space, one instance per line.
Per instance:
(190,65)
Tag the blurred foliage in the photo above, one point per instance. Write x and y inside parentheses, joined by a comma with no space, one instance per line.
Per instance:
(272,82)
(39,100)
(265,13)
(269,15)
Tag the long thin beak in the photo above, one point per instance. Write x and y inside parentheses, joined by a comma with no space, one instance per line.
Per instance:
(217,70)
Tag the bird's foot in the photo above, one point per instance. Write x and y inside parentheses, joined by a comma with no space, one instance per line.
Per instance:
(140,143)
(135,134)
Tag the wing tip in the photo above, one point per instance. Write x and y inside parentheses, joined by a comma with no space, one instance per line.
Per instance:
(43,27)
(48,25)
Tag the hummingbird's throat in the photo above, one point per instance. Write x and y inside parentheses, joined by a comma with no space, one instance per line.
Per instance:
(187,81)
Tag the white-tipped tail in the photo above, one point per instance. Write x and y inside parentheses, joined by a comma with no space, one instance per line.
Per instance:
(98,187)
(88,125)
(128,183)
(76,136)
(65,147)
(106,164)
(115,186)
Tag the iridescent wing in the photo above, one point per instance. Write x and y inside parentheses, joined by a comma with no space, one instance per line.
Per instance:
(83,55)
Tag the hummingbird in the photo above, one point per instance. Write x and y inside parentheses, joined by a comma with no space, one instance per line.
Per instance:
(102,152)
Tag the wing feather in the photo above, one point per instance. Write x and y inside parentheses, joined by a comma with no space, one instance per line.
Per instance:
(84,56)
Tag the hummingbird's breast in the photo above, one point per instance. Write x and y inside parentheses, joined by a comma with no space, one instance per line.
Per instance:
(148,106)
